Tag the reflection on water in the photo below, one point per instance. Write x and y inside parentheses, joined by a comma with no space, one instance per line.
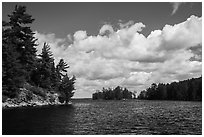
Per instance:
(43,120)
(107,117)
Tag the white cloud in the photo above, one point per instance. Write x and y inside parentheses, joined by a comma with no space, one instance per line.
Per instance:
(126,25)
(175,6)
(137,78)
(183,35)
(70,38)
(106,29)
(128,58)
(80,35)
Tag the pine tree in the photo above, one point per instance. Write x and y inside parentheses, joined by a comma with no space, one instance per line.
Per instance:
(12,72)
(61,68)
(66,88)
(21,36)
(20,63)
(45,66)
(55,81)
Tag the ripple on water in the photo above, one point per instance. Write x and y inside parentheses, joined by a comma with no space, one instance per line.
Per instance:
(107,117)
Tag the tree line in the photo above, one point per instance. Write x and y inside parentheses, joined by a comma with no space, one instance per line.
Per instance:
(117,93)
(21,64)
(187,90)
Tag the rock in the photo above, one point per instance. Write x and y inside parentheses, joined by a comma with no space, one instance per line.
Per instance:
(5,105)
(23,104)
(23,99)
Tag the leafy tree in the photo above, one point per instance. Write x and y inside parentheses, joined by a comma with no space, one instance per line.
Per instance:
(162,92)
(127,94)
(142,95)
(118,93)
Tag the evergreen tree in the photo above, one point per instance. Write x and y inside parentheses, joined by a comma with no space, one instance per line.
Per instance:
(20,63)
(66,88)
(20,35)
(12,72)
(55,81)
(44,72)
(111,94)
(61,68)
(183,90)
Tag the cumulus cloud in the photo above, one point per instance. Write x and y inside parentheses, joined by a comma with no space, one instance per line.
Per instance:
(106,29)
(183,35)
(80,35)
(127,58)
(197,51)
(137,78)
(126,25)
(70,38)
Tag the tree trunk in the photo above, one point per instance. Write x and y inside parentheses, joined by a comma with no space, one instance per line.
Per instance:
(66,101)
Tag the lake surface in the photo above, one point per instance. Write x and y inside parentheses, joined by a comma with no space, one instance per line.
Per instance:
(106,117)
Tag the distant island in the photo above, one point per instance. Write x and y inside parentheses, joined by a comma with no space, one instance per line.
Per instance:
(117,93)
(187,90)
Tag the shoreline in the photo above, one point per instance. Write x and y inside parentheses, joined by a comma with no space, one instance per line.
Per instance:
(36,106)
(9,105)
(27,98)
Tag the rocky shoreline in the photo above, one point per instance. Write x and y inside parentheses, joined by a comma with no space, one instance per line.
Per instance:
(27,98)
(13,104)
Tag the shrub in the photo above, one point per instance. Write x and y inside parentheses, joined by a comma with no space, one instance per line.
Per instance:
(29,95)
(38,91)
(35,90)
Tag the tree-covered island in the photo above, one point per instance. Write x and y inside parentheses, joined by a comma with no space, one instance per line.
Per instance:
(187,90)
(29,79)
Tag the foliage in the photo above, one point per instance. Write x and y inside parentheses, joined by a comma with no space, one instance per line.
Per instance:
(35,90)
(61,68)
(66,88)
(113,94)
(22,68)
(12,72)
(41,76)
(38,91)
(20,37)
(188,90)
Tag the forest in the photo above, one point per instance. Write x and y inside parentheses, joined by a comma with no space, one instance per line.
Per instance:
(23,68)
(187,90)
(117,93)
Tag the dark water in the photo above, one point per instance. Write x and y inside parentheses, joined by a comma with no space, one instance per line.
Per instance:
(107,117)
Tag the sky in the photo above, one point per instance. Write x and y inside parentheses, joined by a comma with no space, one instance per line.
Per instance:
(128,44)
